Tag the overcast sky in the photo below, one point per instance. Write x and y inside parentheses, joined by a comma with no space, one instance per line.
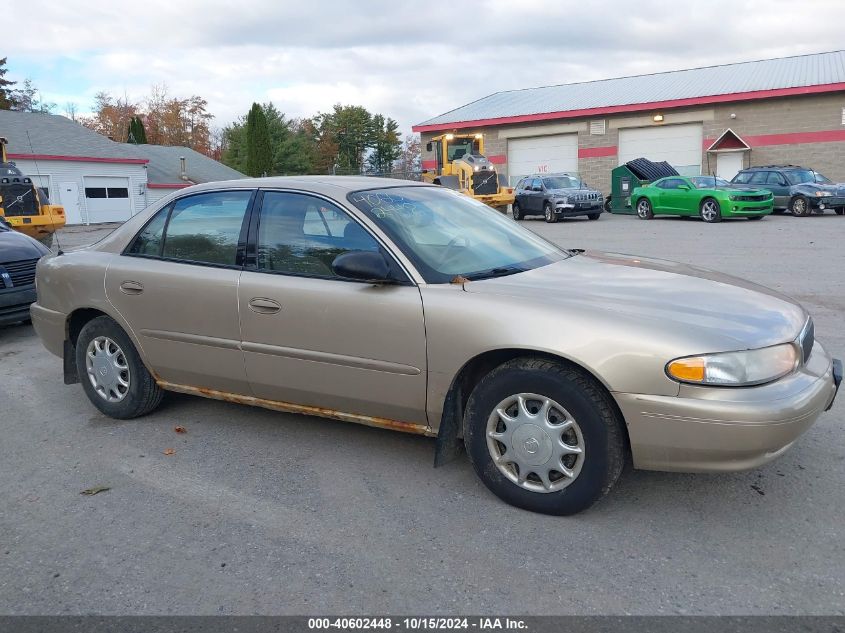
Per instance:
(407,60)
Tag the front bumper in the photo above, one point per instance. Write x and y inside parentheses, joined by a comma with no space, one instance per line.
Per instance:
(826,202)
(712,429)
(496,199)
(588,207)
(14,304)
(746,208)
(36,225)
(51,328)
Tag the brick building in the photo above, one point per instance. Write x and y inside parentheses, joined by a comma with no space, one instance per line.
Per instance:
(717,119)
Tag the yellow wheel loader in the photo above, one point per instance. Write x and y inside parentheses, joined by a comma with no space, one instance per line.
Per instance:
(25,207)
(462,166)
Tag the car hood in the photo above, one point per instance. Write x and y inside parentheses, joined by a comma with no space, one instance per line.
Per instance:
(570,191)
(724,310)
(16,246)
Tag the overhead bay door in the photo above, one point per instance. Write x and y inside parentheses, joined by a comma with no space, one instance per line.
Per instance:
(542,155)
(679,145)
(107,199)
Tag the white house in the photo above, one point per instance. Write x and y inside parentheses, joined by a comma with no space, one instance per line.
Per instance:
(94,178)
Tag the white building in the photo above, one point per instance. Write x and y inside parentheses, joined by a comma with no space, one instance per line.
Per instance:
(94,178)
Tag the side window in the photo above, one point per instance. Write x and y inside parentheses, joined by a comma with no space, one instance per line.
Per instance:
(775,179)
(536,185)
(522,184)
(742,178)
(205,228)
(759,178)
(299,234)
(148,241)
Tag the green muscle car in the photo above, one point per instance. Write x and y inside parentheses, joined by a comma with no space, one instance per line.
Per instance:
(709,197)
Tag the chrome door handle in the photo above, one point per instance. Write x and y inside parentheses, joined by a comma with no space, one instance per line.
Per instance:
(264,306)
(132,287)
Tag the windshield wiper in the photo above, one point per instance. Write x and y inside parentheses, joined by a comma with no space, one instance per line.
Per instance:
(494,272)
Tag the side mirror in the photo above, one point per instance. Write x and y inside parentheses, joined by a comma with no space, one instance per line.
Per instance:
(369,266)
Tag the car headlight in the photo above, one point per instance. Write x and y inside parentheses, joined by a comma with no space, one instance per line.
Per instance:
(821,194)
(735,369)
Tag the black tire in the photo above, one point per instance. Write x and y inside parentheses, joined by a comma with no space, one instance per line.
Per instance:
(589,404)
(143,394)
(756,217)
(517,212)
(608,204)
(799,206)
(549,213)
(644,209)
(712,219)
(594,216)
(778,211)
(839,211)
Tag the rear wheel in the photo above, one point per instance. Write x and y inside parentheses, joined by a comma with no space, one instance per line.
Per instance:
(644,209)
(710,211)
(112,374)
(607,204)
(840,211)
(517,211)
(549,213)
(544,436)
(799,206)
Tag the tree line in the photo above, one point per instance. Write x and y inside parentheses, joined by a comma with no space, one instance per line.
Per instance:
(346,140)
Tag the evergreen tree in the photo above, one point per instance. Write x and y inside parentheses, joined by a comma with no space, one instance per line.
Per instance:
(259,152)
(6,98)
(136,132)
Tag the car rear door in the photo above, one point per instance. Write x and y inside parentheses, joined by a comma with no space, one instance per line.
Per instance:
(777,184)
(315,340)
(176,285)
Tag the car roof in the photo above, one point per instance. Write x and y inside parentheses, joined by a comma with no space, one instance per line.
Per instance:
(318,184)
(780,167)
(559,173)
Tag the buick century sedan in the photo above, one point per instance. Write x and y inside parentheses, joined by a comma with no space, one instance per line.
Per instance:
(404,306)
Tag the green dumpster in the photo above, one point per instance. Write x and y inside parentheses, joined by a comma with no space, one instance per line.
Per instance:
(634,173)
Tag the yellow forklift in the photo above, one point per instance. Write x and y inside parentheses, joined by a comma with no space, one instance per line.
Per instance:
(25,207)
(462,166)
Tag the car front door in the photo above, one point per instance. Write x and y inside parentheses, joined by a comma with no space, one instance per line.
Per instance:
(537,196)
(317,341)
(177,287)
(676,195)
(777,184)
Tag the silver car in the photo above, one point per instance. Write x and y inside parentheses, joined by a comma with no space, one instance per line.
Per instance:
(404,306)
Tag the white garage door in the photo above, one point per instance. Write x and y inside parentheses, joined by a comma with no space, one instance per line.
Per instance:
(107,199)
(543,155)
(679,145)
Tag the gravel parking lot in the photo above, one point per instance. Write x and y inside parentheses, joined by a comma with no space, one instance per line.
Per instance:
(263,512)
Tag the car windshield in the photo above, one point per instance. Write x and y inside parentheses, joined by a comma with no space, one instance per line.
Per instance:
(799,176)
(562,182)
(447,234)
(708,182)
(822,179)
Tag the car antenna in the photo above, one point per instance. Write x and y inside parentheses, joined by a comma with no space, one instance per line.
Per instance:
(38,171)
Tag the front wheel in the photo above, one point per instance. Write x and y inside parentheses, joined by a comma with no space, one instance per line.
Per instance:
(839,211)
(112,374)
(710,210)
(644,209)
(549,213)
(517,211)
(544,436)
(608,204)
(799,206)
(593,216)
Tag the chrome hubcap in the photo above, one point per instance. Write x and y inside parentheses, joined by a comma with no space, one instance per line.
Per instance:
(535,442)
(107,369)
(642,208)
(798,206)
(708,211)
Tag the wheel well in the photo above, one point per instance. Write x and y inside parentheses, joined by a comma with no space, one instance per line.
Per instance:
(77,320)
(449,433)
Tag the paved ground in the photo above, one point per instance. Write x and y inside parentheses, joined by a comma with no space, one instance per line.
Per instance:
(261,512)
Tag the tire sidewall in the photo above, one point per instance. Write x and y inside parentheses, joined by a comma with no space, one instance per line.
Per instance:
(594,478)
(649,214)
(718,217)
(806,206)
(105,326)
(549,214)
(517,211)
